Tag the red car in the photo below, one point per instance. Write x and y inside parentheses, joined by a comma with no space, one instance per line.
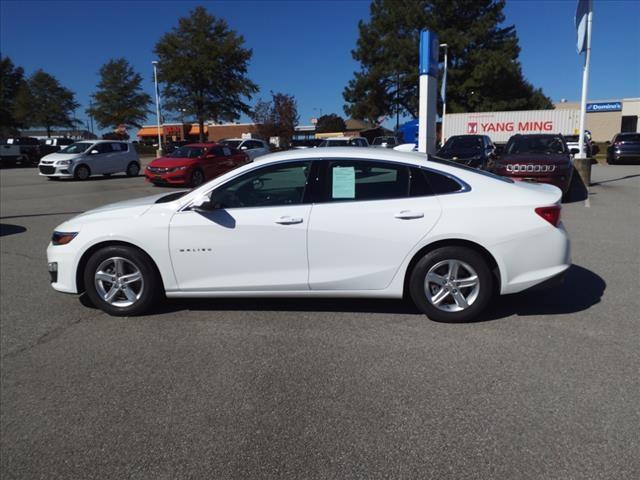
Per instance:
(194,164)
(542,158)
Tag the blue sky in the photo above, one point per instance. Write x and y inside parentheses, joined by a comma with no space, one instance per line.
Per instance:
(304,47)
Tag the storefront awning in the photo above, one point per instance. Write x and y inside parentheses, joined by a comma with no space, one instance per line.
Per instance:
(148,132)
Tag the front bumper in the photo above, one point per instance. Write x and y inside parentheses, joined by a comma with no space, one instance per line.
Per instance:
(55,170)
(180,177)
(63,279)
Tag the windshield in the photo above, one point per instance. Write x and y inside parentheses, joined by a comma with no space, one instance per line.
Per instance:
(381,140)
(186,152)
(335,143)
(535,144)
(231,143)
(463,143)
(469,169)
(79,147)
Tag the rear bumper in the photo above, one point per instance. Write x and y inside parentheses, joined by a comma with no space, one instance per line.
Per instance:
(533,259)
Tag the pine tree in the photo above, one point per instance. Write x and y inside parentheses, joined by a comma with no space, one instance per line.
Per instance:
(484,73)
(11,83)
(204,69)
(119,99)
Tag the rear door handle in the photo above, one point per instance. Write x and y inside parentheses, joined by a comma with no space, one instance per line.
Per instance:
(408,215)
(286,220)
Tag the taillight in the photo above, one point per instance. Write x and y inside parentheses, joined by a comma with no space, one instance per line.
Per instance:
(550,214)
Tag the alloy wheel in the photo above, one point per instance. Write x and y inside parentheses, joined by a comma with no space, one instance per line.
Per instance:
(451,285)
(119,282)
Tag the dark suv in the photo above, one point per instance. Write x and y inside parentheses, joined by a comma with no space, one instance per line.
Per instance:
(476,151)
(625,147)
(541,158)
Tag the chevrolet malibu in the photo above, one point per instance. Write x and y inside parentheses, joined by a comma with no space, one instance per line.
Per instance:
(333,222)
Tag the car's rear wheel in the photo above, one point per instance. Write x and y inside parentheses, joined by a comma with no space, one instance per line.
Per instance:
(121,281)
(82,172)
(133,169)
(451,284)
(197,178)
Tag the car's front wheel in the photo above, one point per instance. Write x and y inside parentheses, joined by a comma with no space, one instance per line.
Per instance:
(197,178)
(82,172)
(121,281)
(451,284)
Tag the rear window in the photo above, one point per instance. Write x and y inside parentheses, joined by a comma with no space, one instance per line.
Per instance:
(628,137)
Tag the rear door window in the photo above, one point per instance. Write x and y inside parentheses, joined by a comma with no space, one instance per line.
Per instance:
(361,180)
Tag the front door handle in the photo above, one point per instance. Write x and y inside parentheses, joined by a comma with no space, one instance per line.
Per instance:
(408,215)
(286,220)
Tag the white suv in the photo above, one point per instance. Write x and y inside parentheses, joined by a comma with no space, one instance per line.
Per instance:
(253,147)
(92,157)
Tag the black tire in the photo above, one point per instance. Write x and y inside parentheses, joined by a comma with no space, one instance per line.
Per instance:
(197,178)
(133,169)
(462,255)
(82,172)
(150,287)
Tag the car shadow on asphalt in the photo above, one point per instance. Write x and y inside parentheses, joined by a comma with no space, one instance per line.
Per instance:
(8,229)
(581,289)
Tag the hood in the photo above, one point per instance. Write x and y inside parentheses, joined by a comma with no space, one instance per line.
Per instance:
(166,162)
(52,157)
(126,209)
(536,158)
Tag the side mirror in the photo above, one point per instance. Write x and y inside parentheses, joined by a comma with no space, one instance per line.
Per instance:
(243,148)
(93,152)
(573,151)
(209,156)
(201,204)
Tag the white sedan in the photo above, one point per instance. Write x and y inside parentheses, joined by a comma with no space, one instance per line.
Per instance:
(335,222)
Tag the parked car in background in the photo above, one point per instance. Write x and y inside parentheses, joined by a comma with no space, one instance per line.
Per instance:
(194,164)
(91,157)
(22,150)
(574,146)
(385,142)
(52,145)
(541,158)
(171,146)
(624,148)
(475,151)
(344,142)
(384,224)
(302,144)
(253,147)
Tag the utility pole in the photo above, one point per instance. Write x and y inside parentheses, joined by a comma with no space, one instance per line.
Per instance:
(155,78)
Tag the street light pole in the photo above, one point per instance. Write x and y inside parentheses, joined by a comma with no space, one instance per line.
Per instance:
(443,93)
(155,78)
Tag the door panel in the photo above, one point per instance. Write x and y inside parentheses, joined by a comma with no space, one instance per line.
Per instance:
(241,248)
(360,245)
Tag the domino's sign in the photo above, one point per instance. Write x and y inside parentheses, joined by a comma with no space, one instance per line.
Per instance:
(604,107)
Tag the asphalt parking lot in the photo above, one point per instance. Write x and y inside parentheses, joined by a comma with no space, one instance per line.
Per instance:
(546,386)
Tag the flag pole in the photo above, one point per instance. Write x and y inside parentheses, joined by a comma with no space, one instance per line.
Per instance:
(443,137)
(585,81)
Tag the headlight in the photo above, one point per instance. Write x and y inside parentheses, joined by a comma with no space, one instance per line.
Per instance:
(62,238)
(64,162)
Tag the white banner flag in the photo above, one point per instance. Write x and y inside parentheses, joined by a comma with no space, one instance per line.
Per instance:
(582,11)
